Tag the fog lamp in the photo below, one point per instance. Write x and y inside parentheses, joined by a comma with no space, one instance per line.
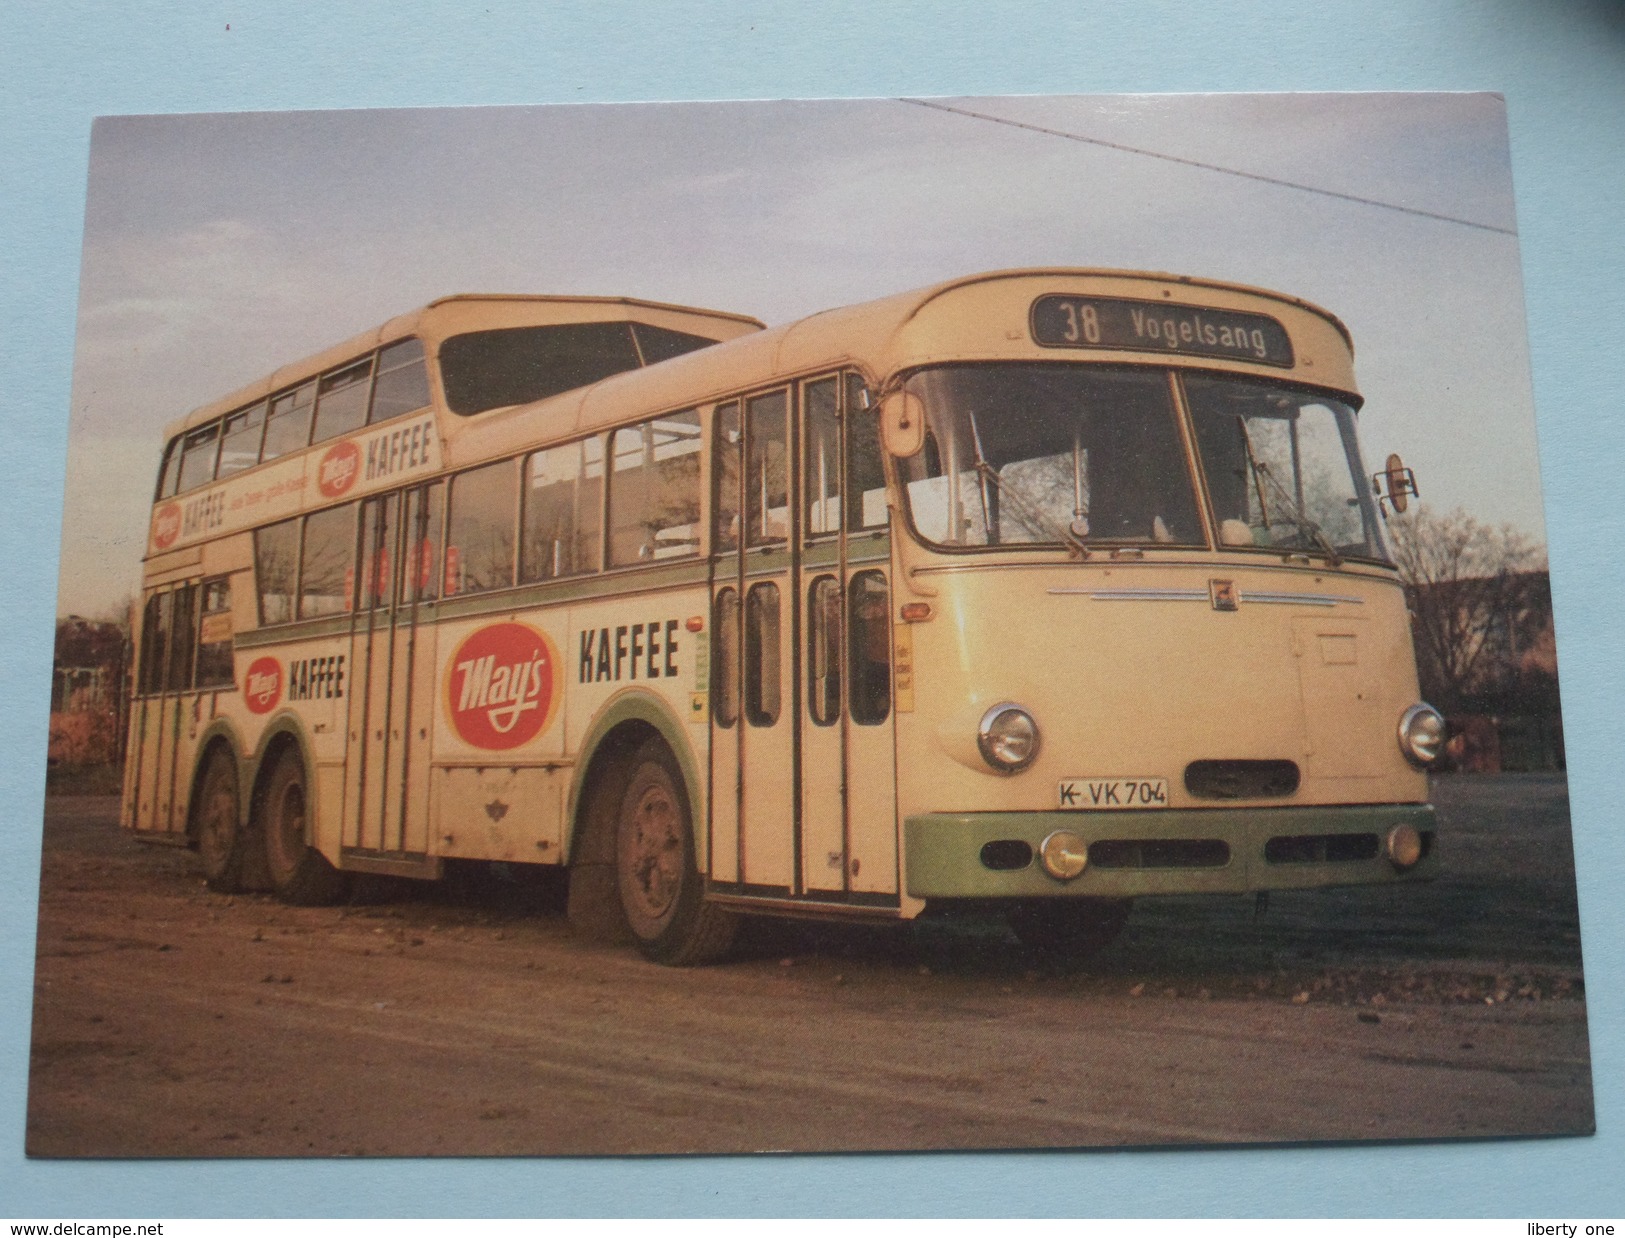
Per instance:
(1404,846)
(1008,738)
(1063,854)
(1421,734)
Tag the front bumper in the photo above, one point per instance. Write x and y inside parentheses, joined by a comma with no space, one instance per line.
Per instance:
(1179,851)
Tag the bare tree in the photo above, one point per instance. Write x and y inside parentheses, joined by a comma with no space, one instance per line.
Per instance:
(1472,589)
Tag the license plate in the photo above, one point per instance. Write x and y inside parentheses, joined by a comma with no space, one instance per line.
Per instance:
(1114,793)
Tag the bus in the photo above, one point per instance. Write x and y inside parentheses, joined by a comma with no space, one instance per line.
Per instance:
(1030,593)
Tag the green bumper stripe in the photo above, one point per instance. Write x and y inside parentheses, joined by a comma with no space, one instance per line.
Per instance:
(944,851)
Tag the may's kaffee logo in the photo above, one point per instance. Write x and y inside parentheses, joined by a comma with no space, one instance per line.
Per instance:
(166,525)
(262,685)
(502,686)
(338,469)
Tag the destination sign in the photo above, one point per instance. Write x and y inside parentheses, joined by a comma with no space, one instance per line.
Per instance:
(1158,326)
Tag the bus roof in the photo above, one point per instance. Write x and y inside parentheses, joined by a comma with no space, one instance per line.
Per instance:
(870,330)
(471,311)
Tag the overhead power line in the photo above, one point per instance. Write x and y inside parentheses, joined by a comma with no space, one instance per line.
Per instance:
(1208,167)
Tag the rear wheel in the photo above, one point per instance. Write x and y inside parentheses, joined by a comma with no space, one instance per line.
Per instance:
(655,869)
(299,873)
(222,842)
(1077,928)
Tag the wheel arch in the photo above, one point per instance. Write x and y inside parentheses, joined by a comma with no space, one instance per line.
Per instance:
(282,734)
(219,736)
(625,722)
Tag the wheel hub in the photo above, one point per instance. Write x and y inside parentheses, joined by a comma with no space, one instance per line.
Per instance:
(656,844)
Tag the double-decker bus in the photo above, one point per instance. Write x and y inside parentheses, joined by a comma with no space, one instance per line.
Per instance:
(1031,592)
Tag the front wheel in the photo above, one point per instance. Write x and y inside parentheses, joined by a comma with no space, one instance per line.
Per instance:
(299,873)
(1077,928)
(655,869)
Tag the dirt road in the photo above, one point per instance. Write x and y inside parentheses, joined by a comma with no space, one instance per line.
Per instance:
(467,1019)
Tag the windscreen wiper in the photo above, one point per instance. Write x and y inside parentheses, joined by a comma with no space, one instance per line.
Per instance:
(1262,477)
(1028,510)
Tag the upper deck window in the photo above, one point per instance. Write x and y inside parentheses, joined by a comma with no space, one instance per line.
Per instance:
(515,365)
(169,474)
(287,428)
(341,400)
(662,343)
(403,382)
(240,442)
(197,460)
(1040,454)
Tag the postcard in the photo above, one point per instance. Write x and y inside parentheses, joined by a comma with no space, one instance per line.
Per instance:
(868,625)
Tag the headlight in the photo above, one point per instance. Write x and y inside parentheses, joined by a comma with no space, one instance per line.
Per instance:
(1421,734)
(1008,738)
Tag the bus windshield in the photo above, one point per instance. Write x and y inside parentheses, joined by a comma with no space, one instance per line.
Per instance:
(1024,454)
(1283,468)
(1031,454)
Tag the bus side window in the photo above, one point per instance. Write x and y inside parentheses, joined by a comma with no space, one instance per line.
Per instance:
(403,382)
(377,552)
(865,476)
(821,460)
(287,425)
(276,569)
(154,642)
(214,667)
(183,639)
(725,658)
(326,578)
(762,660)
(869,654)
(654,493)
(563,487)
(341,400)
(725,510)
(479,541)
(767,470)
(240,440)
(824,650)
(170,473)
(426,516)
(198,460)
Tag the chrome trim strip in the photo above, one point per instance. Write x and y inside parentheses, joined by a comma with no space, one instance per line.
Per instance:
(1139,595)
(1301,599)
(1201,595)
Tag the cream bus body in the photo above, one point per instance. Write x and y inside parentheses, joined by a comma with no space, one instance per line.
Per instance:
(828,679)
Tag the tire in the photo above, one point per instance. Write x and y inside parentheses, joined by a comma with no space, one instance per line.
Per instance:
(662,894)
(299,873)
(221,833)
(1077,929)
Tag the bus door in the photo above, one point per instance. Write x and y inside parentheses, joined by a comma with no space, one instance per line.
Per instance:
(753,716)
(169,710)
(391,688)
(848,837)
(803,760)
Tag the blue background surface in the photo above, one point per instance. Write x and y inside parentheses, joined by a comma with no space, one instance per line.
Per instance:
(1562,69)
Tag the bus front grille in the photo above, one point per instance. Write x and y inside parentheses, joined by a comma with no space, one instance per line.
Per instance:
(1321,848)
(1159,853)
(1241,780)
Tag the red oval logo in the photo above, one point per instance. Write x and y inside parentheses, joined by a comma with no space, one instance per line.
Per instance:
(502,686)
(262,686)
(166,525)
(337,471)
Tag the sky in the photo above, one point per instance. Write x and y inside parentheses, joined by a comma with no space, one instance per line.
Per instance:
(219,247)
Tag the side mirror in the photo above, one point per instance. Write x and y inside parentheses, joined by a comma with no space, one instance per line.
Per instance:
(902,423)
(1395,485)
